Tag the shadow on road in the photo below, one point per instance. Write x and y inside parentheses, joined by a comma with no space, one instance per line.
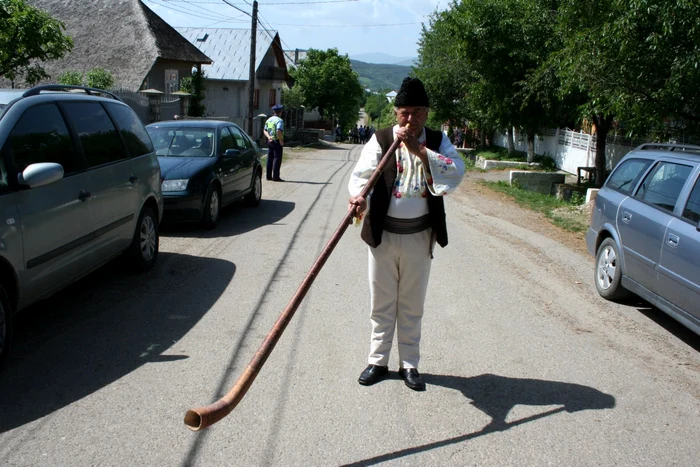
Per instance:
(236,219)
(101,328)
(496,396)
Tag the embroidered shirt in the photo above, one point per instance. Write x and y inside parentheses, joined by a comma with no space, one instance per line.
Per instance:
(413,179)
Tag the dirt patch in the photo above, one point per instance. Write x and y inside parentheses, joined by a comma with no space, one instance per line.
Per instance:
(493,203)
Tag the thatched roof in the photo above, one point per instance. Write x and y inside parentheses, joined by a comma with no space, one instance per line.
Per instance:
(122,36)
(230,50)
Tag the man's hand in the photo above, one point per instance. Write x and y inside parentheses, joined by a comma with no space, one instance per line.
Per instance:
(358,201)
(412,145)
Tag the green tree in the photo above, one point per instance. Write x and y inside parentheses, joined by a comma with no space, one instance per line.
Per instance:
(197,86)
(329,84)
(637,61)
(479,58)
(71,78)
(99,78)
(375,104)
(292,98)
(27,36)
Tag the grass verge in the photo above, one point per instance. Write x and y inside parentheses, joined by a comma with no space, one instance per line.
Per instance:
(571,217)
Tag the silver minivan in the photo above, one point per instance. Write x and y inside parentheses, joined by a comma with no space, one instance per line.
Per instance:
(645,230)
(79,185)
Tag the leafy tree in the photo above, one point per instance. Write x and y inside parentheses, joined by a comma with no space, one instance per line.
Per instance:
(195,85)
(329,84)
(375,104)
(71,78)
(29,35)
(637,61)
(292,98)
(99,78)
(479,58)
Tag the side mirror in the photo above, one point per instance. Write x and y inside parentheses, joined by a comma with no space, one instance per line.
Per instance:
(43,173)
(232,153)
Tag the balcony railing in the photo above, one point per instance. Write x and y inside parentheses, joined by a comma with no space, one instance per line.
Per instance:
(271,73)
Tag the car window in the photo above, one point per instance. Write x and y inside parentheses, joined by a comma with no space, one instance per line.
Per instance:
(627,174)
(664,183)
(227,141)
(135,136)
(4,180)
(41,135)
(692,208)
(241,140)
(97,133)
(175,141)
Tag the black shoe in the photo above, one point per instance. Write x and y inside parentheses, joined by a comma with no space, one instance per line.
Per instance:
(412,379)
(277,180)
(373,374)
(269,178)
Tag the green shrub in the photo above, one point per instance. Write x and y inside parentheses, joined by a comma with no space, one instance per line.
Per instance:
(99,78)
(71,78)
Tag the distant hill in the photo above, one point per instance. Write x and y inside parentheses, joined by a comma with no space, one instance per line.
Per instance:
(380,77)
(382,59)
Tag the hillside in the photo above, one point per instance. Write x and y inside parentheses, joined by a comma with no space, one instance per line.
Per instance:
(380,77)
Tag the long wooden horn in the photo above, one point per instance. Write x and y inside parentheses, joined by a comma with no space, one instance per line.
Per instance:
(201,417)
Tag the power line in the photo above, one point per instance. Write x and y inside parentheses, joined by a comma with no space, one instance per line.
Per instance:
(270,3)
(346,25)
(234,6)
(190,12)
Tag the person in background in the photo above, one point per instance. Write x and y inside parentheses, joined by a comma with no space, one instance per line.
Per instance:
(274,132)
(403,218)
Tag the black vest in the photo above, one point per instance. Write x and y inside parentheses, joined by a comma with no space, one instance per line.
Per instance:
(373,225)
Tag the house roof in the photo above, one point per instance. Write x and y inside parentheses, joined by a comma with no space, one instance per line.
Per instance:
(230,50)
(293,57)
(122,36)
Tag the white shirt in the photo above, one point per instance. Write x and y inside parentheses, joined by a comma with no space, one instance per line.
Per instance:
(413,182)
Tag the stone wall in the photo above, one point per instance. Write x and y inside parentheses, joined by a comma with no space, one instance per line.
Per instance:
(540,182)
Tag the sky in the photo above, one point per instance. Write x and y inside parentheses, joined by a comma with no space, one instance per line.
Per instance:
(352,26)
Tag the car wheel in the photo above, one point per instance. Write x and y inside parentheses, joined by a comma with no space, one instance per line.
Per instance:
(212,208)
(608,274)
(144,246)
(5,326)
(253,198)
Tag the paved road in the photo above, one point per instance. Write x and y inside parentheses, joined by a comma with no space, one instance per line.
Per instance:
(524,364)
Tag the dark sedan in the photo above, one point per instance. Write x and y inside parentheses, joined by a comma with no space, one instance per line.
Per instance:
(205,166)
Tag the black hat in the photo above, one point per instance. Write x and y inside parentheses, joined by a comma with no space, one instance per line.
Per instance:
(412,94)
(277,107)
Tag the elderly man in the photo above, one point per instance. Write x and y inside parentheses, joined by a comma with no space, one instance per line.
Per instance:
(403,219)
(274,132)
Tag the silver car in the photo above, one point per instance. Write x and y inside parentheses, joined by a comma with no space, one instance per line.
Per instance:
(79,185)
(645,230)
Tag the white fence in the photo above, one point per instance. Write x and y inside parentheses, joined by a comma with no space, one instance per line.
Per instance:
(569,149)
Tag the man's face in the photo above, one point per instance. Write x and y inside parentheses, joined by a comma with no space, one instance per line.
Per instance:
(416,116)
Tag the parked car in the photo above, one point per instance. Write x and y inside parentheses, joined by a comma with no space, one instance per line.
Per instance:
(79,185)
(645,230)
(206,164)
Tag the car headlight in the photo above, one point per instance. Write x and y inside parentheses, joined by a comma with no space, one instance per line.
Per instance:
(174,185)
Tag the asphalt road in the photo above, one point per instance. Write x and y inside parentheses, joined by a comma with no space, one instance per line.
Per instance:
(525,364)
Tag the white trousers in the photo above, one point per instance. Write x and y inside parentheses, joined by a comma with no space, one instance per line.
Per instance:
(399,269)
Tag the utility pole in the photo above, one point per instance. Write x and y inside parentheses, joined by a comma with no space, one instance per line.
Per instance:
(251,75)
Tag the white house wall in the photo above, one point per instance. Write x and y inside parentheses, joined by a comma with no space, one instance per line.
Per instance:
(569,149)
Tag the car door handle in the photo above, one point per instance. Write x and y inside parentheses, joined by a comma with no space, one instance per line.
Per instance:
(84,195)
(673,240)
(133,179)
(626,217)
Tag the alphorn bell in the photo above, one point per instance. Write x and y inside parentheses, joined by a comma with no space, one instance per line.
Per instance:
(202,417)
